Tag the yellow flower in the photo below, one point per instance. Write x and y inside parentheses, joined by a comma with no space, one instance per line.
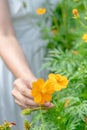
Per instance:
(84,37)
(75,13)
(41,11)
(42,91)
(58,81)
(54,31)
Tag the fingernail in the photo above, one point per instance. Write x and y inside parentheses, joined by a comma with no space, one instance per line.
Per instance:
(51,105)
(48,104)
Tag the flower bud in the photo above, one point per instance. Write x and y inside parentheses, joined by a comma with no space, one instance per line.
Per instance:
(26,111)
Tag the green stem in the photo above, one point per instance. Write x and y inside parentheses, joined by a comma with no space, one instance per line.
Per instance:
(55,21)
(39,108)
(84,2)
(42,121)
(82,24)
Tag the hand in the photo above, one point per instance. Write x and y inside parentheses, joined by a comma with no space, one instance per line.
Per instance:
(22,94)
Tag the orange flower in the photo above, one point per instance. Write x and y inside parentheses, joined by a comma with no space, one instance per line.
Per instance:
(42,91)
(41,11)
(58,81)
(75,13)
(54,31)
(84,37)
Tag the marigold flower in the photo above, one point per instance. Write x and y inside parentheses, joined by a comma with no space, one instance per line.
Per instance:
(41,11)
(84,37)
(58,81)
(75,13)
(54,31)
(42,91)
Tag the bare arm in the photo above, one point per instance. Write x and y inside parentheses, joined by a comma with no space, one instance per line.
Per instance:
(13,56)
(10,51)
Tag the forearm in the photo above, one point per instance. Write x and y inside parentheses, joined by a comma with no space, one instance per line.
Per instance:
(10,51)
(13,56)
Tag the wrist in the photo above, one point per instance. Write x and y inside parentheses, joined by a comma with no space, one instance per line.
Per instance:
(28,76)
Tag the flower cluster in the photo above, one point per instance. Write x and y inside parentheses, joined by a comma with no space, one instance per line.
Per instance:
(42,90)
(7,125)
(76,16)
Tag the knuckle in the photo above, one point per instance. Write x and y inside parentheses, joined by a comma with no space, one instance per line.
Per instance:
(17,81)
(20,80)
(23,92)
(26,102)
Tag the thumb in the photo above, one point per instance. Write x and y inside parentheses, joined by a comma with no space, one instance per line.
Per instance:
(49,104)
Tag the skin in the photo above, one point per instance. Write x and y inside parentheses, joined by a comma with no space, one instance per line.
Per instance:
(13,56)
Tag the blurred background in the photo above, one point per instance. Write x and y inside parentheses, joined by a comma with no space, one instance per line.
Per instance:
(62,38)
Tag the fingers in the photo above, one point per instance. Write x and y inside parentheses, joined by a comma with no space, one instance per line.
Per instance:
(23,88)
(22,100)
(20,104)
(49,104)
(22,95)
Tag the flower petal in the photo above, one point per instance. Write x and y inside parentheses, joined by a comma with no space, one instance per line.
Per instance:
(47,97)
(49,87)
(37,98)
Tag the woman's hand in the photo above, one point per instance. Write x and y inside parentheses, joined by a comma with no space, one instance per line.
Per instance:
(22,94)
(14,57)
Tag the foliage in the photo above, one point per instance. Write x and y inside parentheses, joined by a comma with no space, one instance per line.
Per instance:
(66,54)
(68,57)
(63,31)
